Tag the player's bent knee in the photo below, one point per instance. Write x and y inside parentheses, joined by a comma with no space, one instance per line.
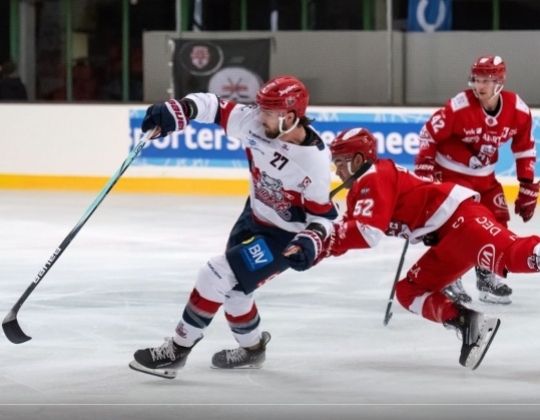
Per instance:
(215,279)
(405,292)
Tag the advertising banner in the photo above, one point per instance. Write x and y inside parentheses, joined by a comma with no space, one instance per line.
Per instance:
(396,129)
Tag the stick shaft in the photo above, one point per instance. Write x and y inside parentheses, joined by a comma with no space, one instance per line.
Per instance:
(12,315)
(388,313)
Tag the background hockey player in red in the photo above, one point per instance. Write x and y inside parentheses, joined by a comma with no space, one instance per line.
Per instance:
(288,209)
(460,143)
(387,199)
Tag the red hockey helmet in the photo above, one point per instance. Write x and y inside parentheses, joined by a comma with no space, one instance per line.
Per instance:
(491,67)
(355,140)
(284,93)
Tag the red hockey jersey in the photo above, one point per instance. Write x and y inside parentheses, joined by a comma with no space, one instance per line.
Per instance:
(390,200)
(463,130)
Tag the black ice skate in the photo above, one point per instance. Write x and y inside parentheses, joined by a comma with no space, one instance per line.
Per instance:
(490,288)
(477,333)
(457,293)
(162,361)
(242,357)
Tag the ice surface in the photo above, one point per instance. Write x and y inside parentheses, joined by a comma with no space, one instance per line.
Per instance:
(122,283)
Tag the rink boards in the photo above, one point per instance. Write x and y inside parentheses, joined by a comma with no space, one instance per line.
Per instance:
(77,147)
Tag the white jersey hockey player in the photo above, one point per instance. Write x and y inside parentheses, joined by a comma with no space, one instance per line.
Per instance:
(286,218)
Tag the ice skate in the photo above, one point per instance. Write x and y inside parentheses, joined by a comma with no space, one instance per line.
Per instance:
(242,357)
(477,333)
(491,289)
(162,361)
(457,293)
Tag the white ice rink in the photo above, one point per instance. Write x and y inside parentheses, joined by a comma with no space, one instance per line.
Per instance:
(122,283)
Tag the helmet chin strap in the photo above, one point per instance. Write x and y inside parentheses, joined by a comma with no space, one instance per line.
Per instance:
(498,89)
(349,167)
(291,128)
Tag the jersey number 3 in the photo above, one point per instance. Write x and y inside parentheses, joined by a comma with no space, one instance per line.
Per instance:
(364,207)
(279,161)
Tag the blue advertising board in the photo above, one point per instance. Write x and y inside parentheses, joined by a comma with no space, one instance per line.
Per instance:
(206,145)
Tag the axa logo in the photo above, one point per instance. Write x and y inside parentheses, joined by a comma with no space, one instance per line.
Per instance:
(486,257)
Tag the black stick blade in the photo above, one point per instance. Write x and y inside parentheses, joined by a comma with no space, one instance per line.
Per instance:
(12,329)
(387,319)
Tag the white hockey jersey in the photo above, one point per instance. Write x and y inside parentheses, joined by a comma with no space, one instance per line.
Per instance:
(289,183)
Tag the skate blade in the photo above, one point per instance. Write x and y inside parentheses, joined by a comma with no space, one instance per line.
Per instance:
(246,367)
(486,297)
(162,373)
(489,329)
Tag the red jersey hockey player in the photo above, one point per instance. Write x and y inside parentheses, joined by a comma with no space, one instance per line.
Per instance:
(387,199)
(288,207)
(460,143)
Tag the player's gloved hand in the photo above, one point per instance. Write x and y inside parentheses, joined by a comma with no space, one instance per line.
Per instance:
(306,247)
(169,116)
(425,169)
(334,245)
(527,199)
(479,161)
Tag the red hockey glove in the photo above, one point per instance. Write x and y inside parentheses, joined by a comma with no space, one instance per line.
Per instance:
(425,169)
(168,116)
(334,245)
(527,199)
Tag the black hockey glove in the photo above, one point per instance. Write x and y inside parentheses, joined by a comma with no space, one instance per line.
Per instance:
(305,248)
(430,239)
(169,116)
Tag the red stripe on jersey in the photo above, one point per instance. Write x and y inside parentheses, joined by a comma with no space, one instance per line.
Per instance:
(297,200)
(317,208)
(225,108)
(240,319)
(203,304)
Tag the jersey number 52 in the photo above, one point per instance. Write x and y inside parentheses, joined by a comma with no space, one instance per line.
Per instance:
(364,207)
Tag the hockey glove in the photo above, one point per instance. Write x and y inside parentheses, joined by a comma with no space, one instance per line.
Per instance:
(168,116)
(527,199)
(306,247)
(425,170)
(335,245)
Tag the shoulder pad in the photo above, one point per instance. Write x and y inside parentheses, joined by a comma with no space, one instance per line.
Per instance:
(521,105)
(459,101)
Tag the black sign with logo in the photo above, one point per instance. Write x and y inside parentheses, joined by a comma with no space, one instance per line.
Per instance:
(231,68)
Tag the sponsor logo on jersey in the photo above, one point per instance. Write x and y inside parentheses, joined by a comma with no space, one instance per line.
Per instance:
(488,225)
(270,191)
(500,201)
(486,257)
(471,135)
(256,254)
(491,121)
(459,101)
(305,183)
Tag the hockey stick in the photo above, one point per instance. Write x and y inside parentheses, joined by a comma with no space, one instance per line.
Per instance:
(11,326)
(388,313)
(347,183)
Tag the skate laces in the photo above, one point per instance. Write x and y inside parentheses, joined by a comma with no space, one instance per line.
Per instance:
(165,351)
(236,355)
